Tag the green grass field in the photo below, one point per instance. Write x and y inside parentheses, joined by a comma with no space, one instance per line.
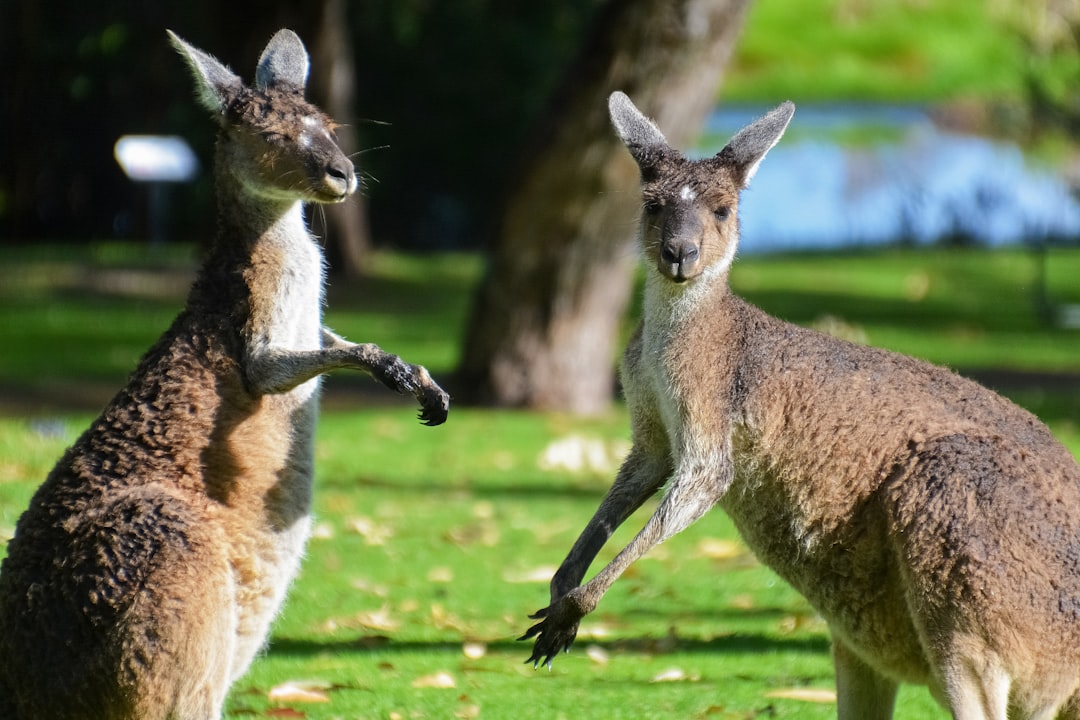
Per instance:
(433,544)
(889,50)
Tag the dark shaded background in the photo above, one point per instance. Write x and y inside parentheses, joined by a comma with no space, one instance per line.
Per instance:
(444,94)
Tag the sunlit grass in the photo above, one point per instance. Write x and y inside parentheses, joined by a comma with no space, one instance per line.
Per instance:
(892,51)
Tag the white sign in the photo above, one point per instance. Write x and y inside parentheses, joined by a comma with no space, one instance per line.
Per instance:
(156,158)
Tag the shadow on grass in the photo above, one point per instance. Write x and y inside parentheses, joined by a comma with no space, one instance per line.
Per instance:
(735,644)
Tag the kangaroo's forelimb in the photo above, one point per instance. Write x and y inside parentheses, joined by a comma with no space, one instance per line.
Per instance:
(278,370)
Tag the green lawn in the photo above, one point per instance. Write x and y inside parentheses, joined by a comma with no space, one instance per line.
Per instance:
(433,544)
(888,50)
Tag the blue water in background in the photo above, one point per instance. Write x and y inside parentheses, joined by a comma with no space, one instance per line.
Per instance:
(926,186)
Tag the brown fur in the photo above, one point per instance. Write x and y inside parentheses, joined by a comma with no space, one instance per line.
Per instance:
(143,578)
(934,525)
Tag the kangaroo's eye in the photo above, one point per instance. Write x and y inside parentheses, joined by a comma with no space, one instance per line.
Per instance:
(722,213)
(652,207)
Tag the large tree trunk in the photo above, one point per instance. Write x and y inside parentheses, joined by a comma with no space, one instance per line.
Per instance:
(545,319)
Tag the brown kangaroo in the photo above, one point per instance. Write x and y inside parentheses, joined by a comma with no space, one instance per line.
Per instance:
(143,578)
(934,525)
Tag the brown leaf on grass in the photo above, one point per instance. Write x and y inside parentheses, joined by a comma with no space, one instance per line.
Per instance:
(441,679)
(718,549)
(372,532)
(483,532)
(443,620)
(539,574)
(378,619)
(597,654)
(295,691)
(744,601)
(594,630)
(370,587)
(440,574)
(577,453)
(805,694)
(474,650)
(674,675)
(467,712)
(483,510)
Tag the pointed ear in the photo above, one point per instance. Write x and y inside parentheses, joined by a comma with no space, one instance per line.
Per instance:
(215,84)
(283,62)
(749,146)
(640,135)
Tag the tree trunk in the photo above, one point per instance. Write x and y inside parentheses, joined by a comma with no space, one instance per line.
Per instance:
(545,319)
(345,225)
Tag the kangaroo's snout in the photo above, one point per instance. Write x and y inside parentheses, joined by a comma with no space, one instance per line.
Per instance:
(680,249)
(679,260)
(339,179)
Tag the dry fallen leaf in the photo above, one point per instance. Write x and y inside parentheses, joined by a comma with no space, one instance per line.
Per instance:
(295,691)
(596,630)
(468,712)
(717,549)
(372,532)
(482,532)
(484,510)
(541,574)
(674,675)
(378,619)
(443,620)
(441,679)
(597,654)
(576,453)
(474,650)
(441,574)
(371,588)
(814,695)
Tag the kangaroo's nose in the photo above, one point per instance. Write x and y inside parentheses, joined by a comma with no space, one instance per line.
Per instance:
(678,260)
(341,177)
(679,254)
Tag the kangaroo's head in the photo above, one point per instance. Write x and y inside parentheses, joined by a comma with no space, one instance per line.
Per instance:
(689,224)
(272,141)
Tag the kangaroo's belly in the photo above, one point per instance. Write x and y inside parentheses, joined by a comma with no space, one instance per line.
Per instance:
(262,476)
(841,562)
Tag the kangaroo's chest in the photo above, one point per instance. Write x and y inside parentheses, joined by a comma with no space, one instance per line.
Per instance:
(285,285)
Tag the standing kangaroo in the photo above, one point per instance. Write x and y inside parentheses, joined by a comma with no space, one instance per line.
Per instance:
(934,525)
(144,576)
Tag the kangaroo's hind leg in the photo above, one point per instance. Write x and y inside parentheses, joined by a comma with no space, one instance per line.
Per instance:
(862,693)
(175,642)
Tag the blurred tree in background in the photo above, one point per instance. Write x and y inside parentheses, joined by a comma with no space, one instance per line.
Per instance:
(545,319)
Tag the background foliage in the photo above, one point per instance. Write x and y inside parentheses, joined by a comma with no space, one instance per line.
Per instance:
(446,91)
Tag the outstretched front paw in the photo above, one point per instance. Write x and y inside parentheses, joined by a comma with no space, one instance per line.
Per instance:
(405,377)
(556,630)
(434,401)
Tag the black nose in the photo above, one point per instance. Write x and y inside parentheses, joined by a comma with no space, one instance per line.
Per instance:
(679,254)
(340,170)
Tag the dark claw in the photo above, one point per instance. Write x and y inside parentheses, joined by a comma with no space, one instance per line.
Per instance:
(552,635)
(436,406)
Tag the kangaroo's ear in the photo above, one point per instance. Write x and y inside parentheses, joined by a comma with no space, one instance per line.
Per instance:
(750,145)
(640,135)
(215,84)
(283,62)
